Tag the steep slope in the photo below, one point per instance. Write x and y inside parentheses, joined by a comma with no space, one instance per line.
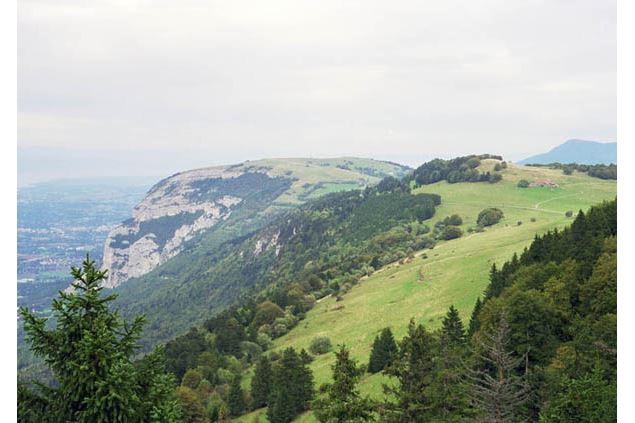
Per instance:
(454,272)
(196,285)
(235,198)
(577,151)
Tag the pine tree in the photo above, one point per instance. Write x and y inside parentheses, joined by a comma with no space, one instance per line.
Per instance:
(89,354)
(498,394)
(447,393)
(414,369)
(235,398)
(474,323)
(452,329)
(261,383)
(292,388)
(343,402)
(383,352)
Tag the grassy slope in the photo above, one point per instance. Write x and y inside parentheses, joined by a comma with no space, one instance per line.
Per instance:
(455,272)
(310,172)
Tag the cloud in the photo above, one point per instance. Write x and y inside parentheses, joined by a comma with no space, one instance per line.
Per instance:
(293,78)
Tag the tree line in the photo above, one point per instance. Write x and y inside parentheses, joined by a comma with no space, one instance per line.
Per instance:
(459,169)
(600,171)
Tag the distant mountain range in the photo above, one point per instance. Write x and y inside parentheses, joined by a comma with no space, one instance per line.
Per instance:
(577,151)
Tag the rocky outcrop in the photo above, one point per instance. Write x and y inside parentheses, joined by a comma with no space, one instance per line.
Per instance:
(235,198)
(174,211)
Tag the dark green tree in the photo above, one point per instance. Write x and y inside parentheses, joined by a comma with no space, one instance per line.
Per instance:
(383,352)
(292,388)
(489,216)
(89,353)
(451,232)
(474,324)
(305,357)
(447,393)
(235,398)
(343,402)
(192,379)
(229,336)
(414,370)
(452,329)
(585,400)
(261,383)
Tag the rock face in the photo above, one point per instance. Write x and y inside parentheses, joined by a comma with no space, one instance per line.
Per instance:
(225,202)
(175,211)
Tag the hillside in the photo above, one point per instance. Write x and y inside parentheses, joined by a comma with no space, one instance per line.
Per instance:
(454,272)
(344,266)
(227,201)
(233,256)
(577,151)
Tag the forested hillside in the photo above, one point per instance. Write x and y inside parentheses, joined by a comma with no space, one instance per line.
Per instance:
(338,238)
(213,205)
(545,327)
(332,242)
(270,308)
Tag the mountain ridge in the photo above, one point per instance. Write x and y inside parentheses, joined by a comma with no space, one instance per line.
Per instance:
(577,151)
(183,206)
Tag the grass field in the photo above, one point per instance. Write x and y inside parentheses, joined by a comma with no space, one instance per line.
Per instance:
(454,272)
(328,175)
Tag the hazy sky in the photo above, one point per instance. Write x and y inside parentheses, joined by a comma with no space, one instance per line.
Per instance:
(204,81)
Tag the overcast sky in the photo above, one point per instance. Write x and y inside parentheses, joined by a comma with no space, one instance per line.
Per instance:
(210,82)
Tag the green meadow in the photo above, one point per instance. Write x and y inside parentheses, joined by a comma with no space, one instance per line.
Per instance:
(317,177)
(454,272)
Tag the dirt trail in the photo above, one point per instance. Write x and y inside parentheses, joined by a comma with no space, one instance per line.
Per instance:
(556,198)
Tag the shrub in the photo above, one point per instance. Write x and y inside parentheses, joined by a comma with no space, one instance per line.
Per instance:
(495,177)
(451,232)
(519,223)
(320,345)
(489,217)
(569,213)
(533,219)
(523,183)
(454,220)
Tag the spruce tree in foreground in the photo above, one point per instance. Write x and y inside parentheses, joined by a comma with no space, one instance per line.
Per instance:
(89,354)
(383,352)
(292,388)
(261,383)
(414,370)
(447,392)
(343,402)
